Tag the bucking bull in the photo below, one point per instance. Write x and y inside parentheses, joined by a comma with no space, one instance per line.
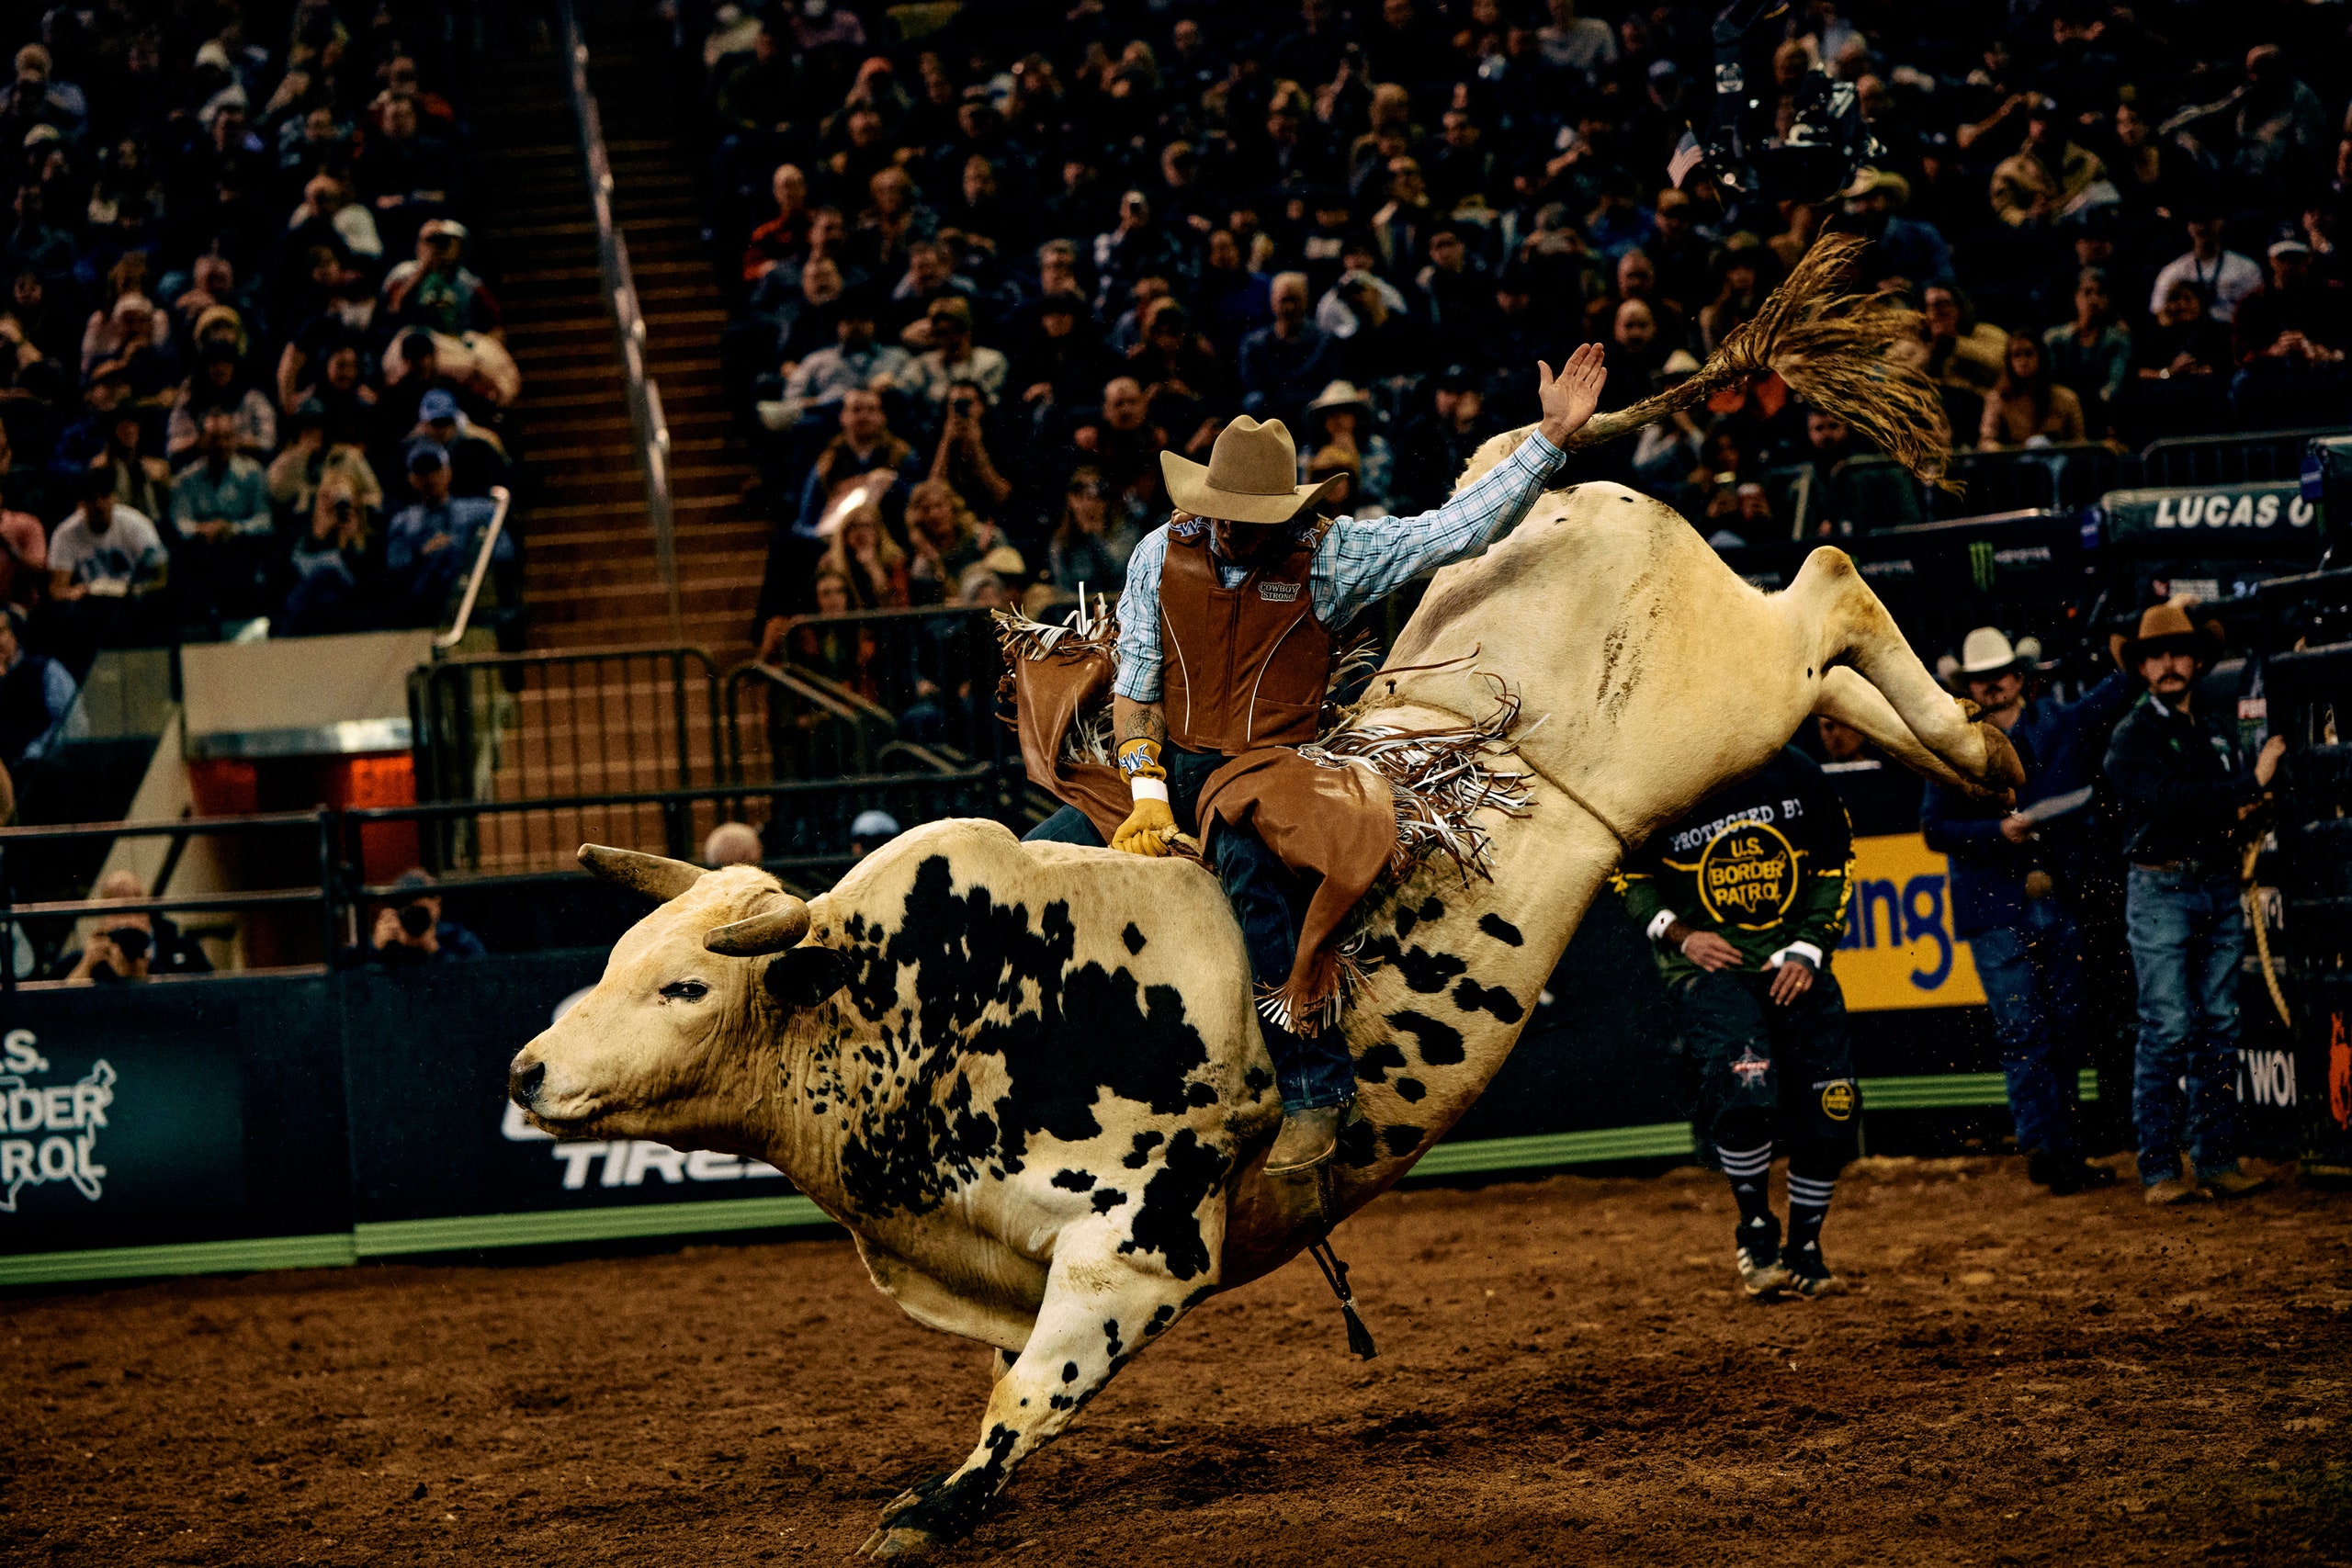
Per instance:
(1029,1079)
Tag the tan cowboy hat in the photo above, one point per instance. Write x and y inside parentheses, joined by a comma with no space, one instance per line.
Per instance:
(1252,476)
(2168,622)
(1870,181)
(1987,652)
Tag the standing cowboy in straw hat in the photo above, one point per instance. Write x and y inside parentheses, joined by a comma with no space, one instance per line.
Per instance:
(2016,885)
(2184,791)
(1226,641)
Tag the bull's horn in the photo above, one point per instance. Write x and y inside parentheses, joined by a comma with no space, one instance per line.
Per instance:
(780,926)
(654,875)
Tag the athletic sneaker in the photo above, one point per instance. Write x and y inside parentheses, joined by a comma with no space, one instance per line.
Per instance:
(1808,1275)
(1756,1251)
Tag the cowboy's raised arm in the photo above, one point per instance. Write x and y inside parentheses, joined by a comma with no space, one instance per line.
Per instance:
(1363,559)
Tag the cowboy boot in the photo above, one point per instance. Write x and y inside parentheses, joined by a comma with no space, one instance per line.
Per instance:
(1307,1140)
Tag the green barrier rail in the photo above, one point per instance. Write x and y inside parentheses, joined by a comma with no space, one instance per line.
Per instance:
(1548,1151)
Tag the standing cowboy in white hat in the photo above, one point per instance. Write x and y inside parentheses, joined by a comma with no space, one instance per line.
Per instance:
(1225,640)
(2018,885)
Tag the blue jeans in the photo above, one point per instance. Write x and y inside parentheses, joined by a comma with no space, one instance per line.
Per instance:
(2187,937)
(1270,902)
(2033,973)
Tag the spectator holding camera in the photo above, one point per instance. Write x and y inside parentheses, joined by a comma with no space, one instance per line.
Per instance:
(410,929)
(2184,791)
(129,946)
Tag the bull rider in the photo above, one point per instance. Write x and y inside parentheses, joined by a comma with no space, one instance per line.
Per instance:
(1226,635)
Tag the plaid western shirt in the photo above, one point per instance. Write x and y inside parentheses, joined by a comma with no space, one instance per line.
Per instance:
(1359,561)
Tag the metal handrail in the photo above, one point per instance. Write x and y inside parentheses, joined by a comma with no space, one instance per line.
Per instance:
(647,424)
(456,632)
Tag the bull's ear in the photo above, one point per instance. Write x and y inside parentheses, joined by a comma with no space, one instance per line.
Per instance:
(806,975)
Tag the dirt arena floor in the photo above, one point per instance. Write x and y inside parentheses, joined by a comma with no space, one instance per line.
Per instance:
(1565,1377)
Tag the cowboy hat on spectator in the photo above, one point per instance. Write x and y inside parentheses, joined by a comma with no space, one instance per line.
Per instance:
(1250,477)
(1986,652)
(2165,627)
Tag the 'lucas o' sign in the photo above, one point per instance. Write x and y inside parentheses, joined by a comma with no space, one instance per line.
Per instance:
(2227,509)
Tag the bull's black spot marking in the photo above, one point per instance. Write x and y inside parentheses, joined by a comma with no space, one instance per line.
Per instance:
(1502,930)
(1428,972)
(1439,1044)
(1061,1401)
(1410,1089)
(1356,1147)
(1069,1371)
(1133,937)
(1256,1080)
(1402,1140)
(986,983)
(1406,919)
(1201,1094)
(1434,909)
(1471,996)
(1111,1337)
(1167,1222)
(1374,1065)
(1108,1199)
(1160,1318)
(1144,1143)
(945,1508)
(1074,1180)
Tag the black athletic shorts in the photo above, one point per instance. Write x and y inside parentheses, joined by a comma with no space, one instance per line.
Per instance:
(1768,1073)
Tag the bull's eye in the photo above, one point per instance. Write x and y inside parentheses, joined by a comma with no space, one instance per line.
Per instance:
(685,991)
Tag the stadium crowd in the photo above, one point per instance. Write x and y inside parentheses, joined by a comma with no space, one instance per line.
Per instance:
(984,275)
(246,372)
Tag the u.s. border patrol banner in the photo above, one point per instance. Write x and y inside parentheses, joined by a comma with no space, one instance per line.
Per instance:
(1899,950)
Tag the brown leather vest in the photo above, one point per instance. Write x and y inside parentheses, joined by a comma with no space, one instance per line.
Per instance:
(1245,667)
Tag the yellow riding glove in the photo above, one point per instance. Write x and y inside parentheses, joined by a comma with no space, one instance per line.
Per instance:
(1150,826)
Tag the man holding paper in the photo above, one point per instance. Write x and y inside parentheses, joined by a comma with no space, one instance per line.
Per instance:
(2015,884)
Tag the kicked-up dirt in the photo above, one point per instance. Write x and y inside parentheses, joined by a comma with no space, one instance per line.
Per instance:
(1567,1375)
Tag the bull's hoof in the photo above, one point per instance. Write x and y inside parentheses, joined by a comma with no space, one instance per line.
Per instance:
(926,1487)
(901,1540)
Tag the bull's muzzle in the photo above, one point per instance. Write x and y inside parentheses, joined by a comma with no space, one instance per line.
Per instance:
(524,1075)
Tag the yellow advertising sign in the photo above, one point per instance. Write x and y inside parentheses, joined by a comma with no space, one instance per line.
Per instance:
(1899,950)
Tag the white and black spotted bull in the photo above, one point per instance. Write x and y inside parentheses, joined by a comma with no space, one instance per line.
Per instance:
(1028,1079)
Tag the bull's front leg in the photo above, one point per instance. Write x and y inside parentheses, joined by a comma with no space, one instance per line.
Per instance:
(1101,1307)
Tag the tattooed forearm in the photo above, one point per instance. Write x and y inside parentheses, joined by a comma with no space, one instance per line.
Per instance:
(1139,721)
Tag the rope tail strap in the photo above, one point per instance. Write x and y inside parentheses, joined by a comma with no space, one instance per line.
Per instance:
(1335,1274)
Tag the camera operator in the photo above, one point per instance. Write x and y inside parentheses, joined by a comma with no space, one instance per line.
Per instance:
(129,946)
(410,929)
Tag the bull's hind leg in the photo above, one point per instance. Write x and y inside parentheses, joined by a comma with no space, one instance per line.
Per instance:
(1101,1307)
(1854,627)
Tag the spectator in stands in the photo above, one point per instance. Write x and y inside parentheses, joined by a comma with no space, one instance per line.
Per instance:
(295,474)
(1123,444)
(1063,363)
(24,553)
(334,568)
(856,362)
(430,547)
(2295,325)
(1284,366)
(945,540)
(104,562)
(864,556)
(962,459)
(2221,277)
(221,522)
(864,445)
(36,694)
(870,831)
(409,928)
(2183,790)
(1341,434)
(952,358)
(2018,884)
(142,482)
(1093,539)
(1907,248)
(1963,352)
(731,843)
(477,456)
(2050,178)
(218,383)
(783,238)
(130,947)
(2092,354)
(436,291)
(2027,408)
(2181,367)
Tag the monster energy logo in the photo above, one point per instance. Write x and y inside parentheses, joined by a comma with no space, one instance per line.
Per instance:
(1981,568)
